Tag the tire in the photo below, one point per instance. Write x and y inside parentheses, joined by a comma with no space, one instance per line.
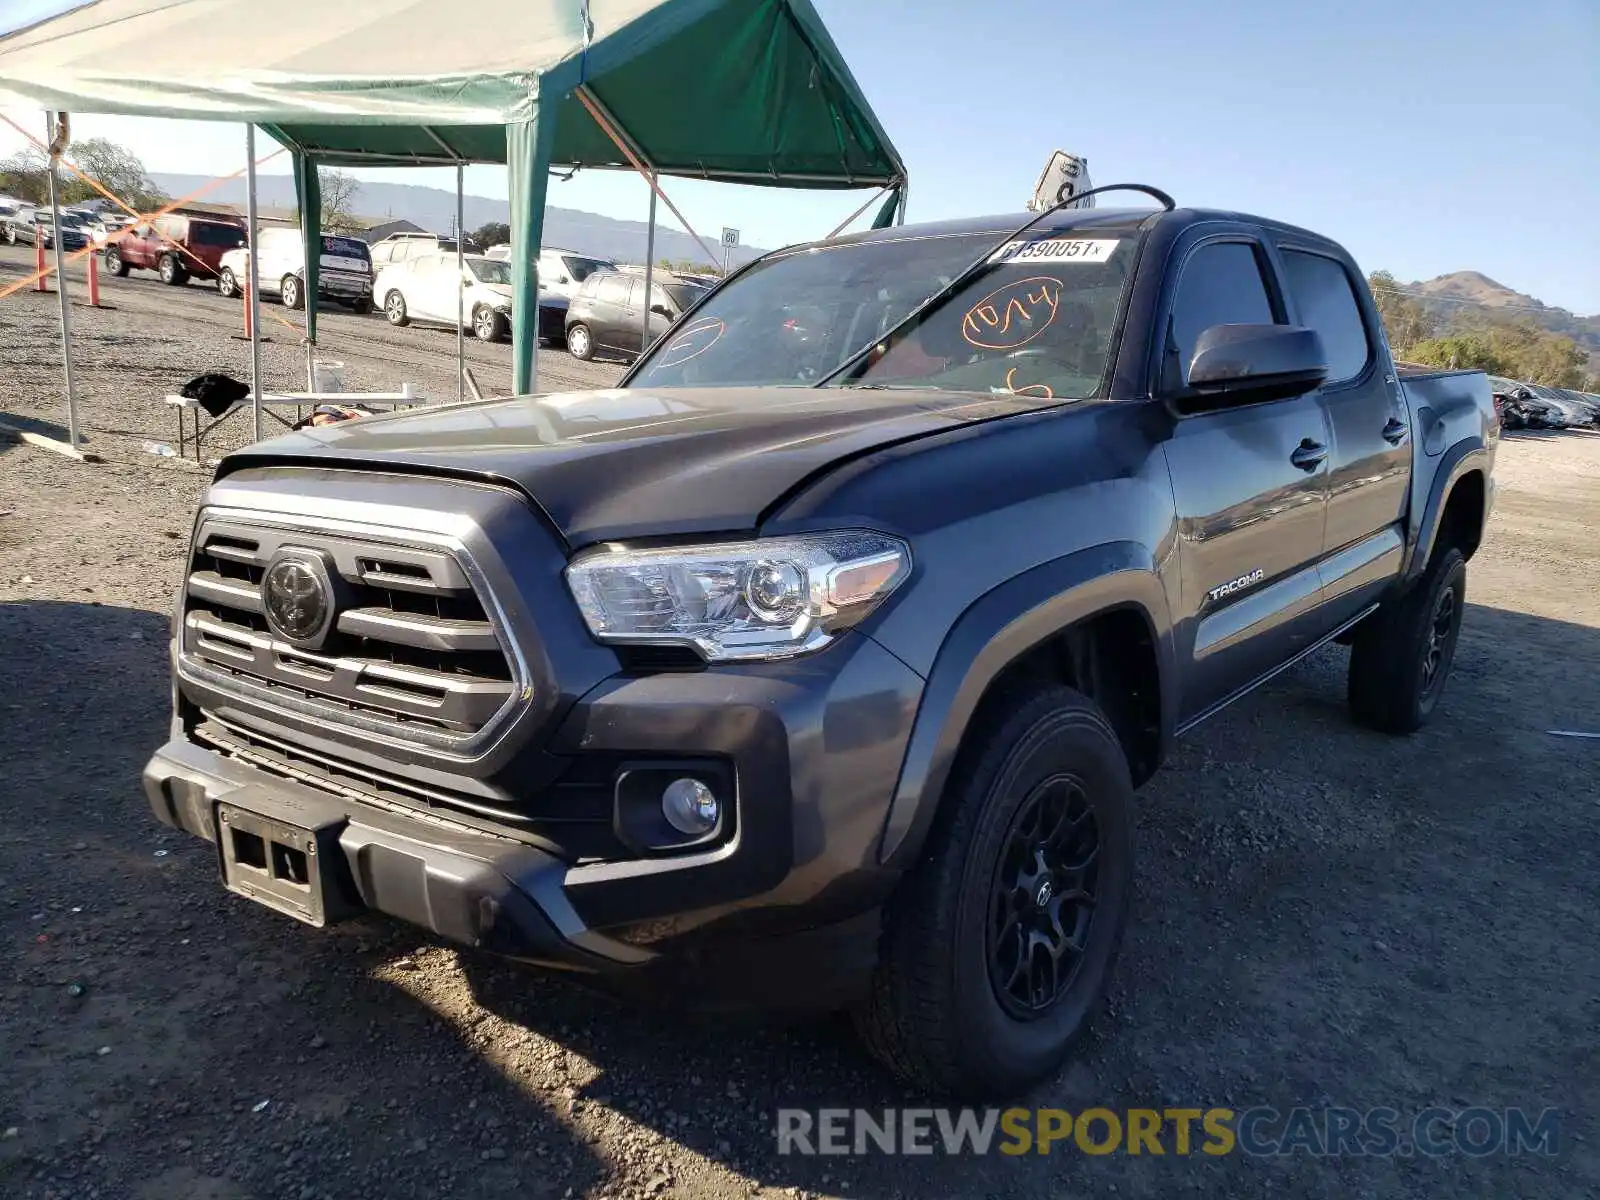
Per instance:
(362,306)
(11,236)
(394,308)
(580,342)
(289,292)
(171,271)
(952,1009)
(227,285)
(488,325)
(115,264)
(1401,655)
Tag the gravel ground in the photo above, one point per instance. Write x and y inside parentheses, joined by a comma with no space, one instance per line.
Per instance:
(154,338)
(1325,916)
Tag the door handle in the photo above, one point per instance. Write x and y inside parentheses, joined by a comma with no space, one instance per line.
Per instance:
(1308,455)
(1395,431)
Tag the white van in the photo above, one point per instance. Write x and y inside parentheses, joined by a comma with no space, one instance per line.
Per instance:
(561,272)
(346,273)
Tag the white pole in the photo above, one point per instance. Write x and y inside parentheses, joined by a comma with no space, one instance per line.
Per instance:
(61,283)
(461,265)
(649,268)
(254,300)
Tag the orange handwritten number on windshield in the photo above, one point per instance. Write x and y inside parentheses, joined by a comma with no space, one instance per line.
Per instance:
(1041,390)
(1013,315)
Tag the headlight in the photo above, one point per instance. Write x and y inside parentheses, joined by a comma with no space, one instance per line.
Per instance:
(763,599)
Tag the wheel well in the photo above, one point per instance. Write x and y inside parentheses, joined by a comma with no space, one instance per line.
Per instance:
(1461,522)
(1111,658)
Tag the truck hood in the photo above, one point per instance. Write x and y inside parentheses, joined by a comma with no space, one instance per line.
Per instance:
(622,463)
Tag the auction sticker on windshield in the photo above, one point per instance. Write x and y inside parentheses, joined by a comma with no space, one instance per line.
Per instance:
(1057,250)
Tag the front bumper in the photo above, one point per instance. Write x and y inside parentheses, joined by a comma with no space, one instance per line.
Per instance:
(813,748)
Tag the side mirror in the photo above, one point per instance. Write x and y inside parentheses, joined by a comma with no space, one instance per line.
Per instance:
(1246,364)
(661,310)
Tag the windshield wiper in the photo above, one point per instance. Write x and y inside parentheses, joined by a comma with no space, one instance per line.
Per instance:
(977,267)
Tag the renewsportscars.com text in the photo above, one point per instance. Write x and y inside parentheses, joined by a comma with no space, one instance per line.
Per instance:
(1260,1132)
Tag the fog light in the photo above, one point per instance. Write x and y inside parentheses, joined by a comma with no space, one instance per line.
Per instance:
(689,806)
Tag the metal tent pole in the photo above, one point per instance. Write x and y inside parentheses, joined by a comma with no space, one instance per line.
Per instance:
(649,266)
(252,236)
(61,280)
(461,279)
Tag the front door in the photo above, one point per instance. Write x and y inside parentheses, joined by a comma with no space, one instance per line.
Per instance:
(1249,483)
(1370,454)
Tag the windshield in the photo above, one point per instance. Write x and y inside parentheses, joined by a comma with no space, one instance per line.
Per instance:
(1037,323)
(490,270)
(581,268)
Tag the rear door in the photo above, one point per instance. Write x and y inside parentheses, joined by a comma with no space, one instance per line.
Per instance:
(1249,481)
(424,279)
(610,311)
(1369,462)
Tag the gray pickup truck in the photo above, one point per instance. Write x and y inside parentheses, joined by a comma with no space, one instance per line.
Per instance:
(819,660)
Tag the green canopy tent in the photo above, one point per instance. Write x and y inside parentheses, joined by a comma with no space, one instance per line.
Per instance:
(738,91)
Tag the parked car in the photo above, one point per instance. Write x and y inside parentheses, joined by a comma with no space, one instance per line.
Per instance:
(607,313)
(425,288)
(177,246)
(105,225)
(561,272)
(345,270)
(31,224)
(827,667)
(398,247)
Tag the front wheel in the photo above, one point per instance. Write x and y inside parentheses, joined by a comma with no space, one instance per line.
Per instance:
(579,343)
(999,944)
(488,325)
(227,285)
(115,264)
(289,292)
(1401,655)
(394,307)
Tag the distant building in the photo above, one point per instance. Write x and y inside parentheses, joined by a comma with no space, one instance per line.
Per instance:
(376,233)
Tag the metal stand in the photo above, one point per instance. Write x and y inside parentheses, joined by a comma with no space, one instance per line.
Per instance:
(252,237)
(649,265)
(61,282)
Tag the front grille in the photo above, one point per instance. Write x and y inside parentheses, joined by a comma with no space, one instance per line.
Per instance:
(412,653)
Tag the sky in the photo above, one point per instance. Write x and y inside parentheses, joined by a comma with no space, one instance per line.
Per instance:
(1427,136)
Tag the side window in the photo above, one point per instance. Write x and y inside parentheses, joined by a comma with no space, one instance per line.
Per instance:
(1221,285)
(614,291)
(1327,303)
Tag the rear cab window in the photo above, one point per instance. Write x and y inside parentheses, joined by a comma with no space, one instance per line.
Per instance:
(1325,300)
(213,233)
(347,252)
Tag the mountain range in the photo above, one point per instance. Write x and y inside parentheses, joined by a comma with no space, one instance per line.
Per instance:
(1449,294)
(435,208)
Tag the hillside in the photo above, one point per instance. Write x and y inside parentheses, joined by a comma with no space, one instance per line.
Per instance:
(435,208)
(1461,291)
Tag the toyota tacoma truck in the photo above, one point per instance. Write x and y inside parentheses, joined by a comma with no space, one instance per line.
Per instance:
(820,659)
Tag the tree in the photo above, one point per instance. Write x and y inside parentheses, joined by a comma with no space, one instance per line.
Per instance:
(1467,352)
(339,190)
(492,234)
(116,168)
(1405,321)
(22,175)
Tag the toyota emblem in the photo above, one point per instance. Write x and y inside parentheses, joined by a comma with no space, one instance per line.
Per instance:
(297,599)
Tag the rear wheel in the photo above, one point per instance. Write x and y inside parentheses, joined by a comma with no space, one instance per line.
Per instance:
(394,308)
(998,946)
(171,271)
(488,325)
(115,264)
(289,292)
(227,284)
(362,306)
(1401,655)
(579,343)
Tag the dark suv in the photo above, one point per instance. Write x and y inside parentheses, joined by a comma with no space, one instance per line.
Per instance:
(824,654)
(607,312)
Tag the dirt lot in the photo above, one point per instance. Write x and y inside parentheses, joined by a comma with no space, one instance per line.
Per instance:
(1325,916)
(152,338)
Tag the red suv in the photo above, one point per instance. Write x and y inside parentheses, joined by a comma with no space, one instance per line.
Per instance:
(176,246)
